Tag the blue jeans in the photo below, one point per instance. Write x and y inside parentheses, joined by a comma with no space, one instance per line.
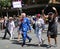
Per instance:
(25,36)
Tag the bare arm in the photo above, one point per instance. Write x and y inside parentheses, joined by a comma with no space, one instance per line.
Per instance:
(43,13)
(56,13)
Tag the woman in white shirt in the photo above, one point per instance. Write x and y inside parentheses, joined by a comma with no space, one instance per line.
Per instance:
(38,28)
(11,26)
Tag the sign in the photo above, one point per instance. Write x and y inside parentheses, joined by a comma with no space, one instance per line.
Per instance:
(17,4)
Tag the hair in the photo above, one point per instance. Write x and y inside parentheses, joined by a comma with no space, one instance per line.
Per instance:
(50,13)
(24,14)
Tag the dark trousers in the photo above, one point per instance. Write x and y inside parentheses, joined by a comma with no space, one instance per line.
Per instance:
(6,31)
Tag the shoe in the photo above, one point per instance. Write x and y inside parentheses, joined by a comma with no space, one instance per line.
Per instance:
(48,46)
(30,40)
(3,38)
(55,45)
(39,44)
(43,41)
(22,44)
(10,38)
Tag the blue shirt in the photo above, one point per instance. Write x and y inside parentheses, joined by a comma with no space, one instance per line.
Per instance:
(25,25)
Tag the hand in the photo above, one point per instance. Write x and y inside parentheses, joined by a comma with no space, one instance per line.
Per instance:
(54,8)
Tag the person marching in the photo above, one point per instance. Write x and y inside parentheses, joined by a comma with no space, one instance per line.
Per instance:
(19,28)
(6,24)
(11,27)
(52,26)
(38,28)
(25,25)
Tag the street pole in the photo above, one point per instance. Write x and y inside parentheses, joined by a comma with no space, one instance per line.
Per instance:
(7,13)
(20,10)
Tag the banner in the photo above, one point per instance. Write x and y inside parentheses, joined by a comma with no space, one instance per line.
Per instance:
(17,4)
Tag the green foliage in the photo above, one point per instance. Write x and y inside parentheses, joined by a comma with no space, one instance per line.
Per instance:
(5,3)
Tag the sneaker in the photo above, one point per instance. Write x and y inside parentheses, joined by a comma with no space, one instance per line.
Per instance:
(10,38)
(39,44)
(30,40)
(55,45)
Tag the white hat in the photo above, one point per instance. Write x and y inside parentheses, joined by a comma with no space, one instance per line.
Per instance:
(10,17)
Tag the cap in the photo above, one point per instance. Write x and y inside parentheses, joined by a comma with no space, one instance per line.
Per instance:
(38,15)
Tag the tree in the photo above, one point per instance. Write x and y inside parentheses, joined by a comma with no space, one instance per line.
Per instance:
(5,3)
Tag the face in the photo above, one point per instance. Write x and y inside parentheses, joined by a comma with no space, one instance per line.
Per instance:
(5,18)
(23,15)
(10,19)
(51,16)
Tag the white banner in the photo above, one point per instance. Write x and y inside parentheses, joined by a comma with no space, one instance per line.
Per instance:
(17,4)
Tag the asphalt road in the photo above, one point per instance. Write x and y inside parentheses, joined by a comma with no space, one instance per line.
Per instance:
(7,44)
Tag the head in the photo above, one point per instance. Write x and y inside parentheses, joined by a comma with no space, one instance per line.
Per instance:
(10,19)
(38,16)
(50,14)
(23,15)
(5,18)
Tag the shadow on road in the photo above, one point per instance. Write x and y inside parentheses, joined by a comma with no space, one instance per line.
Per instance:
(28,44)
(16,42)
(1,38)
(36,45)
(16,38)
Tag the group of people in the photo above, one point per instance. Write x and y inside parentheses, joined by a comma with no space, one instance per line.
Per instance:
(37,24)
